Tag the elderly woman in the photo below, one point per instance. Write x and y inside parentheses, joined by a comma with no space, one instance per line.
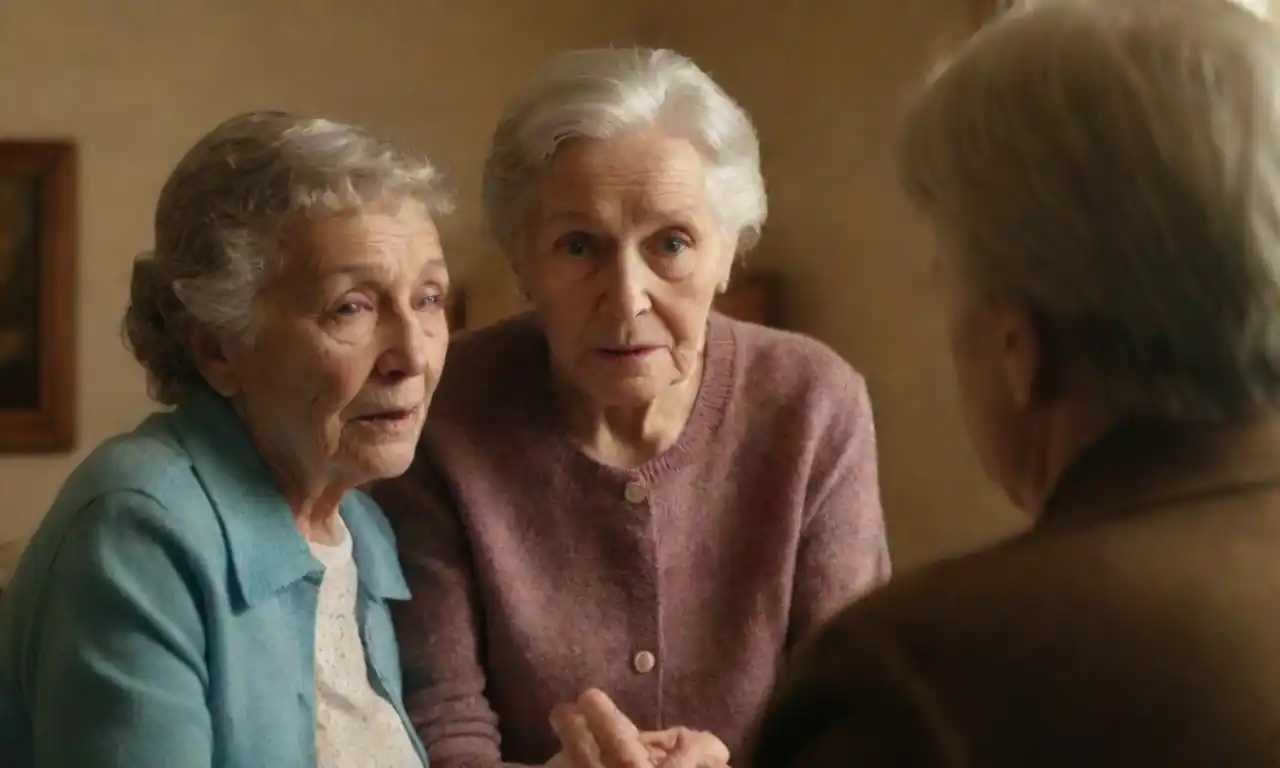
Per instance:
(623,489)
(1102,178)
(209,589)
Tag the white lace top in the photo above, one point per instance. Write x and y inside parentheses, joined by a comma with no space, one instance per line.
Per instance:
(355,727)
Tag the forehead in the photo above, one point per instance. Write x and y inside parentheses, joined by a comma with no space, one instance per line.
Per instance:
(385,237)
(647,171)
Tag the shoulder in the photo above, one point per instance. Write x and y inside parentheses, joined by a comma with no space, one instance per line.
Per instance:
(149,460)
(797,374)
(488,367)
(135,493)
(120,546)
(791,362)
(483,356)
(964,595)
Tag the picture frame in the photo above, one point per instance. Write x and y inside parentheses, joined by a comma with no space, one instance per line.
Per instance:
(38,243)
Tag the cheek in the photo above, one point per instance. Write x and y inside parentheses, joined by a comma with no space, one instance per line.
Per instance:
(312,378)
(683,309)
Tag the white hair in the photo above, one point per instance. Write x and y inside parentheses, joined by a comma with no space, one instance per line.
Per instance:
(1115,164)
(601,93)
(221,215)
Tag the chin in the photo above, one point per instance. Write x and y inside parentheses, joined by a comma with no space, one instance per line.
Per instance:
(628,393)
(384,462)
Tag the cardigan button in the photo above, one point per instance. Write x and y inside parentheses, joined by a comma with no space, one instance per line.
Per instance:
(644,662)
(634,493)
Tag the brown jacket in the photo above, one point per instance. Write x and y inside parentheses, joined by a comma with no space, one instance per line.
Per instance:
(1138,624)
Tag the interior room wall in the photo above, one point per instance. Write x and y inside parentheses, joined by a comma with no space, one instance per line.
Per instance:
(136,82)
(827,89)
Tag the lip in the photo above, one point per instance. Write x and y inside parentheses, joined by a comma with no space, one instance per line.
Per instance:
(627,361)
(626,352)
(392,422)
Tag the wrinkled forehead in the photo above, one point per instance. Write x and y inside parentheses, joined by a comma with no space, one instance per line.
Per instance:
(650,175)
(381,241)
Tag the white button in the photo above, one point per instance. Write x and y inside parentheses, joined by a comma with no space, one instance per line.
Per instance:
(644,662)
(634,493)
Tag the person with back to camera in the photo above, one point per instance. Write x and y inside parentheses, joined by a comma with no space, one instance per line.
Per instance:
(209,589)
(1104,180)
(622,492)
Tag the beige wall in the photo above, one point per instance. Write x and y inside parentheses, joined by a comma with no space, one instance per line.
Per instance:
(827,88)
(137,83)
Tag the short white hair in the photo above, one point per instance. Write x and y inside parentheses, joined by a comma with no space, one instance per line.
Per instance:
(223,211)
(602,93)
(1116,165)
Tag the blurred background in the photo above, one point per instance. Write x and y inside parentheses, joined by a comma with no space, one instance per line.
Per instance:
(134,83)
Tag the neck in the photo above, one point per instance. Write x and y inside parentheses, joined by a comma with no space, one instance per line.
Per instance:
(630,435)
(1068,430)
(315,502)
(316,515)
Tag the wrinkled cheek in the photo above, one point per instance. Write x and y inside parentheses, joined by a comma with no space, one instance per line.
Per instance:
(325,428)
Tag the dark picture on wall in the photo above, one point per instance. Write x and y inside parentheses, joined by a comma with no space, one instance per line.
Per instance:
(37,252)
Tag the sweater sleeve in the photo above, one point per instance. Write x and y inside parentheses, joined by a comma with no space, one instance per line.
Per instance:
(843,552)
(440,628)
(119,677)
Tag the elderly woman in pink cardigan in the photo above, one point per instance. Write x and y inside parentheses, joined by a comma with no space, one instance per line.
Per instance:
(623,490)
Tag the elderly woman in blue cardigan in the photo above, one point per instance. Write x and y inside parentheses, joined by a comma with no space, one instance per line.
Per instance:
(210,589)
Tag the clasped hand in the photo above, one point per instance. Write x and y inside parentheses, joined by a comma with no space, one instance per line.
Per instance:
(594,733)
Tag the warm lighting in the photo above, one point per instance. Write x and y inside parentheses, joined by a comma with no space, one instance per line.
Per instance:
(1260,7)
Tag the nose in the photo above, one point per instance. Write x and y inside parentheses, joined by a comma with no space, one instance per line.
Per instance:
(405,345)
(628,290)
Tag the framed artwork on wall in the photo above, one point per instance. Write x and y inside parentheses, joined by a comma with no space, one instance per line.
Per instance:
(38,218)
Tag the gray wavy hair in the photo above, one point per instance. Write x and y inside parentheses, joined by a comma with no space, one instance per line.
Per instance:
(221,215)
(601,93)
(1116,165)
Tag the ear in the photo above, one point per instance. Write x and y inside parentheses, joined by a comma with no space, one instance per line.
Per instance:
(209,352)
(1023,356)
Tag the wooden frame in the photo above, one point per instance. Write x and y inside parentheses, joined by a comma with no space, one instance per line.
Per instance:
(38,233)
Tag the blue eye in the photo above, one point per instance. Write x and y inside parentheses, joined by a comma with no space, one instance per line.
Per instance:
(674,245)
(431,301)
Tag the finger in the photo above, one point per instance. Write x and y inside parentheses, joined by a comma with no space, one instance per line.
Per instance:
(665,740)
(576,740)
(697,749)
(616,736)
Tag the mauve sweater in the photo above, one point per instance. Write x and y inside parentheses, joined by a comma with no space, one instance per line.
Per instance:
(677,587)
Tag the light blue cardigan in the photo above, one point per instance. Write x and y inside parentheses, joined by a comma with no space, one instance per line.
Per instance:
(164,614)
